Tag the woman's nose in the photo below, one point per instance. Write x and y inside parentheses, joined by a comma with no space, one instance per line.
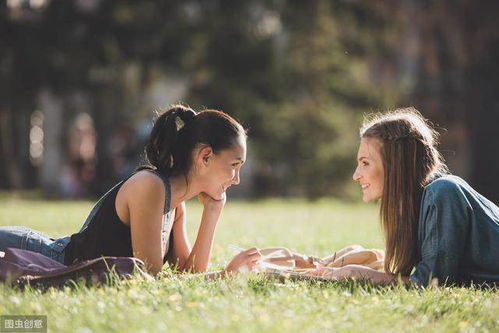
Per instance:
(236,179)
(356,175)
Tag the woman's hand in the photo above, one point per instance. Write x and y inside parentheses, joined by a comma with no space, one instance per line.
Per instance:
(359,272)
(210,204)
(244,261)
(300,261)
(308,261)
(345,272)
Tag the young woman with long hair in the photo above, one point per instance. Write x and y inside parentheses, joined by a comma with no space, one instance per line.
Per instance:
(144,216)
(435,225)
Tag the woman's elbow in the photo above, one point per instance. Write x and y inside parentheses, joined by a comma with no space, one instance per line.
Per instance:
(153,268)
(192,270)
(154,271)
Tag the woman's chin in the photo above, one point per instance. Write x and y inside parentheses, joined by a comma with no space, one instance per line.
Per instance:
(218,196)
(370,198)
(367,199)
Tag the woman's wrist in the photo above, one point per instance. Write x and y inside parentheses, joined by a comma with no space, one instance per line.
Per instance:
(210,218)
(306,261)
(211,205)
(211,214)
(213,209)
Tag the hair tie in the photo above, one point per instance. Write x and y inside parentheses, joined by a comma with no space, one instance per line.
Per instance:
(183,117)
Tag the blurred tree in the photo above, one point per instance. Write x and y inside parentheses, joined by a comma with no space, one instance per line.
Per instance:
(284,68)
(298,74)
(457,49)
(75,48)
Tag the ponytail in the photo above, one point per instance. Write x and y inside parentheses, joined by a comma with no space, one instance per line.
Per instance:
(164,137)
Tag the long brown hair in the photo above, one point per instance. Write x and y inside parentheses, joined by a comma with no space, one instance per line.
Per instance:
(410,162)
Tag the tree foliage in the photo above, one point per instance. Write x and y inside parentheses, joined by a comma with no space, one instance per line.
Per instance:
(298,74)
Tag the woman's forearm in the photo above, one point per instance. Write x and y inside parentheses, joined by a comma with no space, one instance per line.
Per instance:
(201,251)
(366,273)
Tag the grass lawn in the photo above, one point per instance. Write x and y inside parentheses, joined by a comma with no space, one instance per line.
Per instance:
(248,303)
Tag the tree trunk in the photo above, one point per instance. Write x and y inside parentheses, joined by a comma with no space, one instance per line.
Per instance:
(51,169)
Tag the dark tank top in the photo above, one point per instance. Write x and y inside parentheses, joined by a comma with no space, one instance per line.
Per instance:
(104,234)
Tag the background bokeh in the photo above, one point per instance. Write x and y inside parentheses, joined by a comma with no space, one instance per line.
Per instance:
(80,81)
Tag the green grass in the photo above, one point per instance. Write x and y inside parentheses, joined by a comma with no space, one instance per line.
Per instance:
(248,303)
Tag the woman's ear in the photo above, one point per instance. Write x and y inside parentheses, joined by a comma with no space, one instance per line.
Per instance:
(205,154)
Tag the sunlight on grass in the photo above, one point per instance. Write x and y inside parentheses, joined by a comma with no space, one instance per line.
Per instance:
(248,303)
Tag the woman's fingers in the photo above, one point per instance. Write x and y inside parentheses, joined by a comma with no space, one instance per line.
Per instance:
(252,254)
(344,272)
(251,251)
(323,272)
(211,203)
(253,258)
(317,273)
(279,259)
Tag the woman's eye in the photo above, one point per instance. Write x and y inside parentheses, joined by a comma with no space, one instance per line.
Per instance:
(235,164)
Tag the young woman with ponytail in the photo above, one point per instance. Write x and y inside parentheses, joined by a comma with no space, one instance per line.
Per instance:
(190,154)
(436,227)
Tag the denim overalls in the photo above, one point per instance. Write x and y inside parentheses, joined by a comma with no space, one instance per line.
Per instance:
(36,241)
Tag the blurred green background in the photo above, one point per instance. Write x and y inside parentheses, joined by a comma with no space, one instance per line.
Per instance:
(80,81)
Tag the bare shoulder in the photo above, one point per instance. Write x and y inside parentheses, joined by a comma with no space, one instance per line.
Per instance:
(144,191)
(144,185)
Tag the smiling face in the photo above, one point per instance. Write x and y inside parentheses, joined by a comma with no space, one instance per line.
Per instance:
(221,170)
(369,172)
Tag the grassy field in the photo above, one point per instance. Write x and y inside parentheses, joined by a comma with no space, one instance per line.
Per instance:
(248,303)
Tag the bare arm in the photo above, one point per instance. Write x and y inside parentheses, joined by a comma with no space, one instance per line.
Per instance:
(361,273)
(145,197)
(195,260)
(181,246)
(248,258)
(201,251)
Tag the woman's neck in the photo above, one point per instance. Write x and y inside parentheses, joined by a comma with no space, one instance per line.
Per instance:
(181,190)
